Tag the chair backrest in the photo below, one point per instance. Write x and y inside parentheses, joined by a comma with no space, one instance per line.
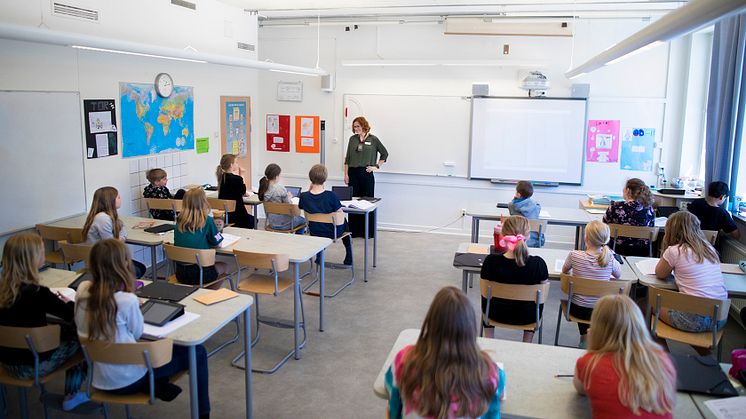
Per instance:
(711,236)
(672,300)
(538,226)
(278,262)
(163,204)
(43,339)
(281,208)
(55,233)
(226,205)
(75,252)
(515,292)
(592,287)
(635,232)
(158,351)
(337,218)
(201,257)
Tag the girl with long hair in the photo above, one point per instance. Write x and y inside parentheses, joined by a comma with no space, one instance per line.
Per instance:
(232,187)
(595,262)
(636,210)
(445,374)
(697,267)
(103,221)
(515,266)
(625,374)
(24,302)
(107,309)
(271,190)
(195,229)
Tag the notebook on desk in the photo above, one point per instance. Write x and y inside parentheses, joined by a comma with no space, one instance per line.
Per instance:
(294,191)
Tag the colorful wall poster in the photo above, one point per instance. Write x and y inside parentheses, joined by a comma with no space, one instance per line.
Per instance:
(603,141)
(152,124)
(235,131)
(278,133)
(307,133)
(638,145)
(203,145)
(100,128)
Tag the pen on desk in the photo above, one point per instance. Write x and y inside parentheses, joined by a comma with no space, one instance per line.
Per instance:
(563,375)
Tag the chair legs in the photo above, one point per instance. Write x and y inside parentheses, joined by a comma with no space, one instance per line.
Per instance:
(331,266)
(23,402)
(559,324)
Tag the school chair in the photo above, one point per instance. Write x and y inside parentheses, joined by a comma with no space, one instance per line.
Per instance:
(533,293)
(37,340)
(149,354)
(279,208)
(659,299)
(634,232)
(710,235)
(335,219)
(73,253)
(55,235)
(173,205)
(572,285)
(272,283)
(224,206)
(540,227)
(204,258)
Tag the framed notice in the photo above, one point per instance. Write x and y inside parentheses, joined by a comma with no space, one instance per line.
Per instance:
(100,128)
(235,130)
(278,133)
(307,133)
(290,91)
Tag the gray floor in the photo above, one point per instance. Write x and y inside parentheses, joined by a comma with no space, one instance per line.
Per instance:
(334,379)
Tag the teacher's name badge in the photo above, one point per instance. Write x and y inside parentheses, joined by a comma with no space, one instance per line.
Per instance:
(367,143)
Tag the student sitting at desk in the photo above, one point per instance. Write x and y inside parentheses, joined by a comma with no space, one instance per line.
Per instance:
(635,210)
(445,374)
(523,204)
(158,189)
(271,190)
(107,309)
(318,201)
(625,374)
(515,266)
(25,303)
(595,262)
(712,216)
(232,187)
(103,221)
(697,270)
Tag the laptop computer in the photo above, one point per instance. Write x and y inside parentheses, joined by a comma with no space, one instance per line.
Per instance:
(344,193)
(294,190)
(162,290)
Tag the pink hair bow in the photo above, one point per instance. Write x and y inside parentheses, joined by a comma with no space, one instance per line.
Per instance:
(510,241)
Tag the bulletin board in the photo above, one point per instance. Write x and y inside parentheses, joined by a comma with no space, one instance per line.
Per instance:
(100,127)
(307,134)
(235,130)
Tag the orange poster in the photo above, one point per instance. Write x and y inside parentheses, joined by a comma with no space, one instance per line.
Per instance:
(307,134)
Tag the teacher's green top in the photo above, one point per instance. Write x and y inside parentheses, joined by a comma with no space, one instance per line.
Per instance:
(365,155)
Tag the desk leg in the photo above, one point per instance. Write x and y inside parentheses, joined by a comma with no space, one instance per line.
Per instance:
(256,216)
(464,280)
(365,252)
(193,390)
(247,361)
(474,236)
(322,292)
(154,263)
(375,236)
(296,307)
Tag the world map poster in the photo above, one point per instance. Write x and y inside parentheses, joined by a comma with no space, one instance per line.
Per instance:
(152,124)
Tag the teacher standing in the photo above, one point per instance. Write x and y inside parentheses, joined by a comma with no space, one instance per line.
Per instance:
(361,161)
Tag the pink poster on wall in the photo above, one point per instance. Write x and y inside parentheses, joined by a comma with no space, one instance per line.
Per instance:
(603,141)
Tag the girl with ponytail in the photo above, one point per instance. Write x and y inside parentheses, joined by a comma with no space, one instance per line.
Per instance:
(231,186)
(515,266)
(595,262)
(271,190)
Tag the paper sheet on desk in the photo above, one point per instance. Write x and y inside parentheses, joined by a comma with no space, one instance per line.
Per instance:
(360,204)
(69,293)
(597,211)
(159,332)
(727,408)
(559,264)
(647,266)
(295,200)
(228,240)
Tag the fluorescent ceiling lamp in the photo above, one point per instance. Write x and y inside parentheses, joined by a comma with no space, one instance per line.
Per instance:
(93,43)
(693,16)
(443,63)
(635,52)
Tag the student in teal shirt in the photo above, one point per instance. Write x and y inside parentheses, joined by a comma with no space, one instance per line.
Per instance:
(196,229)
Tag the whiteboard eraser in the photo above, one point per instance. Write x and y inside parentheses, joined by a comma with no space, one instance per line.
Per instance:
(449,163)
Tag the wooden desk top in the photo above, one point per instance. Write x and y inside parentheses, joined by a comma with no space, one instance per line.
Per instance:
(735,283)
(134,235)
(57,278)
(300,248)
(531,388)
(555,215)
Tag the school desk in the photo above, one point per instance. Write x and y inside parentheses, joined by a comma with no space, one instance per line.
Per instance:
(57,278)
(531,388)
(299,248)
(735,279)
(554,258)
(366,212)
(137,236)
(211,320)
(252,199)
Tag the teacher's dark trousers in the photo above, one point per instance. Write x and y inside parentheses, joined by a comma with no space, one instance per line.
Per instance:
(363,184)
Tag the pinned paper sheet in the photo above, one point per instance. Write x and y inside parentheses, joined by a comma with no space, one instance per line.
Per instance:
(203,145)
(159,332)
(102,145)
(728,408)
(558,265)
(478,249)
(99,121)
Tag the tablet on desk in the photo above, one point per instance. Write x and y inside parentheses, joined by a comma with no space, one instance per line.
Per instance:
(158,312)
(162,290)
(294,191)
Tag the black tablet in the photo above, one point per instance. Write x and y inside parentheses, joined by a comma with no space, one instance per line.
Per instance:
(158,312)
(160,228)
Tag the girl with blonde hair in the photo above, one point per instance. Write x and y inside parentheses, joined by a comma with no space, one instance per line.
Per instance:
(445,374)
(107,309)
(595,262)
(515,266)
(625,374)
(24,302)
(195,229)
(697,267)
(231,186)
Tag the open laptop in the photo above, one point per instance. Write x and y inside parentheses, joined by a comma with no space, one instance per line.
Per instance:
(294,191)
(344,193)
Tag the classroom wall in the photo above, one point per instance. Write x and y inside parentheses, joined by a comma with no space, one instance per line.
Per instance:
(648,83)
(96,75)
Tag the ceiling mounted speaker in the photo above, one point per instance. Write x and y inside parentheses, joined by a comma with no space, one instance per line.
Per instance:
(327,83)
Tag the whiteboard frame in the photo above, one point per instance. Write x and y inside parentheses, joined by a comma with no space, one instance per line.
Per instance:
(585,136)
